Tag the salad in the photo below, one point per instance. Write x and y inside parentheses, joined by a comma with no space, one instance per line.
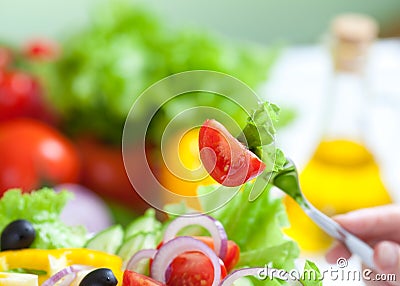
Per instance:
(229,245)
(37,248)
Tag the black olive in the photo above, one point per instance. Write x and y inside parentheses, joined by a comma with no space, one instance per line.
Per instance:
(99,277)
(18,234)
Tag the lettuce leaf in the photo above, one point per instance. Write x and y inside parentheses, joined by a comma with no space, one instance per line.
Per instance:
(42,208)
(125,49)
(255,226)
(311,275)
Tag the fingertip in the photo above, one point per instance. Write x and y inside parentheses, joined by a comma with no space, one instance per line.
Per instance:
(387,256)
(337,251)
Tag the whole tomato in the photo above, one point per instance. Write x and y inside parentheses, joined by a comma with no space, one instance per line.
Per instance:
(103,171)
(41,49)
(22,96)
(6,57)
(34,154)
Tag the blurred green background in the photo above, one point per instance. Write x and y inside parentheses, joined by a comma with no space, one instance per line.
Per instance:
(262,21)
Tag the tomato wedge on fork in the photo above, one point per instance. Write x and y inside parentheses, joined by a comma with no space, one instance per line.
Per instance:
(225,158)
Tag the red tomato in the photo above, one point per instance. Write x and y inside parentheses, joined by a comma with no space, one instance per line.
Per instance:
(6,57)
(227,160)
(131,278)
(193,269)
(21,96)
(103,171)
(32,154)
(42,49)
(232,254)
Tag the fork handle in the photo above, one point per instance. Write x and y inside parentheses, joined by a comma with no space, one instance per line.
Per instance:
(331,227)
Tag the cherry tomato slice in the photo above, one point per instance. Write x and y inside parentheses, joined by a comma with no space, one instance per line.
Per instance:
(227,160)
(131,278)
(192,268)
(232,254)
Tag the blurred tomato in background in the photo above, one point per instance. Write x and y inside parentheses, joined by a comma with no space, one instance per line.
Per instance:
(34,154)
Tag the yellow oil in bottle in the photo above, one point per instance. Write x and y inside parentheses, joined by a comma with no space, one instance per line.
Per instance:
(341,176)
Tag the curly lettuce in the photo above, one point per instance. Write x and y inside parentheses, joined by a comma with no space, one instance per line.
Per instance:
(126,49)
(42,208)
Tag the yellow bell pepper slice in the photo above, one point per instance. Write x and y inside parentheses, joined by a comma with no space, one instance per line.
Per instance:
(17,279)
(54,260)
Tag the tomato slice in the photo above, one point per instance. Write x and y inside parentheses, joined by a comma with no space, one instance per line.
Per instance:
(131,278)
(227,160)
(232,254)
(192,268)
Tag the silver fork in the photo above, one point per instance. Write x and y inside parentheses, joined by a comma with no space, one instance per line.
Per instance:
(287,180)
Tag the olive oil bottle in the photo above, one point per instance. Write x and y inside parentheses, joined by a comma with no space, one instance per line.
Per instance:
(342,175)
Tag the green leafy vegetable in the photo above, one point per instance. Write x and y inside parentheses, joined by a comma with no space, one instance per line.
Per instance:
(106,66)
(259,135)
(42,208)
(255,226)
(27,271)
(311,275)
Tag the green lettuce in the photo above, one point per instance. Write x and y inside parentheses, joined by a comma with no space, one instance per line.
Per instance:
(255,226)
(311,275)
(42,208)
(259,136)
(125,49)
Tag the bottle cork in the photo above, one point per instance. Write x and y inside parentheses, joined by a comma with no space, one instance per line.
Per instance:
(352,35)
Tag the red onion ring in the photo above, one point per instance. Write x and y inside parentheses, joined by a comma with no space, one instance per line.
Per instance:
(73,269)
(138,256)
(254,271)
(173,248)
(213,226)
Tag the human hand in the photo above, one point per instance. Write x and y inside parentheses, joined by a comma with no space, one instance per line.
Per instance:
(380,228)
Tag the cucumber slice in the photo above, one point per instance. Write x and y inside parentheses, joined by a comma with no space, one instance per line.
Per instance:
(108,240)
(139,241)
(145,223)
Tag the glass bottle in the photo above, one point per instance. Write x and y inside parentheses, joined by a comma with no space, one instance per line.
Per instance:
(342,175)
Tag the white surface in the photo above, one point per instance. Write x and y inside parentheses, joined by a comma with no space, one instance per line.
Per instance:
(300,79)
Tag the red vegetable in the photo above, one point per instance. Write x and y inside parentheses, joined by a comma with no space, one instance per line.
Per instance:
(213,226)
(34,154)
(42,49)
(21,96)
(192,268)
(131,278)
(103,171)
(6,57)
(232,253)
(227,160)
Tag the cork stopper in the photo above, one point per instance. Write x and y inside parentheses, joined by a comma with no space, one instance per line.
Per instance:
(352,35)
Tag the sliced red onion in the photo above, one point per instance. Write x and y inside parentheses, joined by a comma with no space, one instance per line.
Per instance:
(140,255)
(67,280)
(66,273)
(177,246)
(213,226)
(257,272)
